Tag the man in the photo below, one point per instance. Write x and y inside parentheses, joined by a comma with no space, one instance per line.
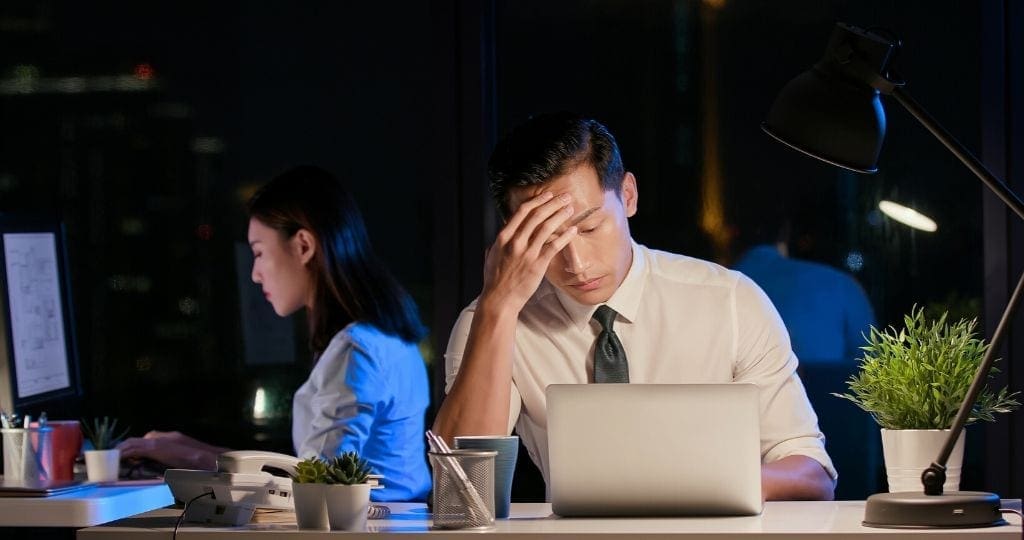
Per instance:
(564,253)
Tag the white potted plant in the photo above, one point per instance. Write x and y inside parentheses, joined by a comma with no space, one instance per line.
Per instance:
(309,484)
(348,495)
(103,461)
(912,382)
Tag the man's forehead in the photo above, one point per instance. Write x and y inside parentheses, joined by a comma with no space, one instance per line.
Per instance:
(581,183)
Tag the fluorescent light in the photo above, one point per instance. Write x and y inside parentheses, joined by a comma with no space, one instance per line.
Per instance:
(259,404)
(907,216)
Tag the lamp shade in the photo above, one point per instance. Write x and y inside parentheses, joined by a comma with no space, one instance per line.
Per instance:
(832,111)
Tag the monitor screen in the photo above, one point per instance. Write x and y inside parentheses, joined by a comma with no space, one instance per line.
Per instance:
(39,360)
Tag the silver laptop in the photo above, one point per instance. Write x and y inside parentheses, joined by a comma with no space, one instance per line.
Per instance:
(654,449)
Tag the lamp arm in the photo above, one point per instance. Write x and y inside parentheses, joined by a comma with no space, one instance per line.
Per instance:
(935,475)
(996,185)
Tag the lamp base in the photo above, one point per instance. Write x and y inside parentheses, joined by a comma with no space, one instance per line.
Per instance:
(915,510)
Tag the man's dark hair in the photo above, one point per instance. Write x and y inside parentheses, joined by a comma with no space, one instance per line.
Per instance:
(551,145)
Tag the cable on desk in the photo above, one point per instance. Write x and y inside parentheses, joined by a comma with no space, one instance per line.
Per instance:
(185,510)
(1021,516)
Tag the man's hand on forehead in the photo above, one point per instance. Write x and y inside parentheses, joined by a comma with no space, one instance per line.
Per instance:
(531,237)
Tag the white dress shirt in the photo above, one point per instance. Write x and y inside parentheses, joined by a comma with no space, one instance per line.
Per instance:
(680,320)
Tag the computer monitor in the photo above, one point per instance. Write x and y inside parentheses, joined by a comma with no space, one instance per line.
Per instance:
(38,358)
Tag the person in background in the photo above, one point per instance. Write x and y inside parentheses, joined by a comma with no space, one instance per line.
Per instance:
(368,390)
(565,273)
(825,310)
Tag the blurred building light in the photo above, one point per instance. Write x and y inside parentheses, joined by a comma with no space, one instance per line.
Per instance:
(188,306)
(70,85)
(204,231)
(907,216)
(208,145)
(132,227)
(25,80)
(143,363)
(25,72)
(246,191)
(144,71)
(129,83)
(855,261)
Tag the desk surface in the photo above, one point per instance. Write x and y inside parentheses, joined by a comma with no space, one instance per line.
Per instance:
(84,508)
(803,520)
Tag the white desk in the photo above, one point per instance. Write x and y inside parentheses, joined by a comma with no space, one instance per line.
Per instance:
(801,520)
(83,508)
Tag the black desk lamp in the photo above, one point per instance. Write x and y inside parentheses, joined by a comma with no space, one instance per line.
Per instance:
(832,112)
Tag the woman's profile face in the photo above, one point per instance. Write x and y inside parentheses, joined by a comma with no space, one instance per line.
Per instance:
(279,268)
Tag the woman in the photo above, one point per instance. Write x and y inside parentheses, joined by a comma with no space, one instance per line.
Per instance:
(368,389)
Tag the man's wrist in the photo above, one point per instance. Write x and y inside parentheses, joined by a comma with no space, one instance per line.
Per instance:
(497,308)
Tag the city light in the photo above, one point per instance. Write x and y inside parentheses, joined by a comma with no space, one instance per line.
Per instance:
(144,71)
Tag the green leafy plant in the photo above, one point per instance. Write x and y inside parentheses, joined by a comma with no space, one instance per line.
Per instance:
(311,471)
(348,469)
(101,432)
(918,377)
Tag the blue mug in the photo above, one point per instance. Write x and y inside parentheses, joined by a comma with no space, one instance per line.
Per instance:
(504,465)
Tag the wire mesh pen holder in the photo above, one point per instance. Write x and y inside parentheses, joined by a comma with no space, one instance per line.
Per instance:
(463,489)
(28,455)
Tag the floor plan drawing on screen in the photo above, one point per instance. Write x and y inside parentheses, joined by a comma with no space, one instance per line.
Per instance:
(36,316)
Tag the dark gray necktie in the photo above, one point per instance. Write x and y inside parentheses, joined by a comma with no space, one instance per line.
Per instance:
(609,357)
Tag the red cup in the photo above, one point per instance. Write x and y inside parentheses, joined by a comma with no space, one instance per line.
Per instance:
(66,443)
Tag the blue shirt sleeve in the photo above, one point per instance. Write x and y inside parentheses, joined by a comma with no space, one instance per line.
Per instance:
(344,403)
(363,379)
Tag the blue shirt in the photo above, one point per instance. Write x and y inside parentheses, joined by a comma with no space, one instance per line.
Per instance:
(825,310)
(368,393)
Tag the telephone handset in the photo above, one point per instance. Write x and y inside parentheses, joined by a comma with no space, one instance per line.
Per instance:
(231,494)
(253,461)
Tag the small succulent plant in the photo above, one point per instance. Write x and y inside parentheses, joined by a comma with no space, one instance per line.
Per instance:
(348,469)
(311,471)
(101,432)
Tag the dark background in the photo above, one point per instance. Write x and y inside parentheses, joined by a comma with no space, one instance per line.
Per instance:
(145,126)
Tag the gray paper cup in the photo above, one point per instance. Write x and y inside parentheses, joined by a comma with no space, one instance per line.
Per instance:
(504,465)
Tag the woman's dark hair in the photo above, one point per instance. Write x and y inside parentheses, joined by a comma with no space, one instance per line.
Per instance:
(548,146)
(350,282)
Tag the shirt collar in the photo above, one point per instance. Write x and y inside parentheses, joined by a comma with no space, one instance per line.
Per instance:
(625,300)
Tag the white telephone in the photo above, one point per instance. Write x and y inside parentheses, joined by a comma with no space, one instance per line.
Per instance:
(239,486)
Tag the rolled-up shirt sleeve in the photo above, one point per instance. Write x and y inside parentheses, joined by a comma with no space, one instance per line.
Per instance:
(765,357)
(453,359)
